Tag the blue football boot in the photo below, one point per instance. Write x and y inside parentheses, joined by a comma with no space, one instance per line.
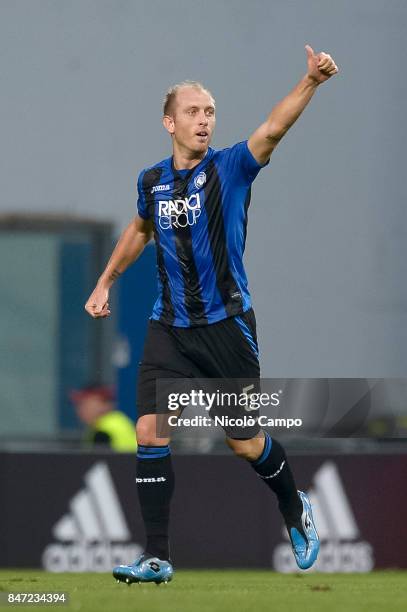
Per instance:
(145,569)
(304,537)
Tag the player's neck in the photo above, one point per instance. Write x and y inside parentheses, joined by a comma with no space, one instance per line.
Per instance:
(185,159)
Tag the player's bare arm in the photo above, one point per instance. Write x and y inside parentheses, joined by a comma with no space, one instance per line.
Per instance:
(321,67)
(129,247)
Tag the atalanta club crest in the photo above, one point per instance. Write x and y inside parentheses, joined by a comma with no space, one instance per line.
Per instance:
(200,180)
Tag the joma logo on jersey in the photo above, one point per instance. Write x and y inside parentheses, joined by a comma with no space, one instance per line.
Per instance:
(179,213)
(160,188)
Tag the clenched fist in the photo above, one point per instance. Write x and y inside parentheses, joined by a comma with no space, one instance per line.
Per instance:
(321,66)
(97,305)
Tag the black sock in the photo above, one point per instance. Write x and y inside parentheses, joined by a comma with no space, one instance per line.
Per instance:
(155,485)
(272,467)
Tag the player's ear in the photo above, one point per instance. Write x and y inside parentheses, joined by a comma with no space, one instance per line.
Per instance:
(168,123)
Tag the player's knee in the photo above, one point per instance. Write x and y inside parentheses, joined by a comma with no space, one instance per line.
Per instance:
(246,449)
(146,432)
(244,453)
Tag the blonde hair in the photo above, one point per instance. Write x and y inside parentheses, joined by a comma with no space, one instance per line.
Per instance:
(169,99)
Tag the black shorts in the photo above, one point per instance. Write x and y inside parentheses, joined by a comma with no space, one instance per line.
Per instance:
(226,349)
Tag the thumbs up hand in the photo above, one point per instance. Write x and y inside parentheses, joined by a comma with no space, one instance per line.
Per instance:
(321,66)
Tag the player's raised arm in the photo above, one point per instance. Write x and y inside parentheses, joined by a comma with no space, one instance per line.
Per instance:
(321,67)
(129,247)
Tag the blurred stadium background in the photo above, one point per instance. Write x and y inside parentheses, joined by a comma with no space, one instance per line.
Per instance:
(82,84)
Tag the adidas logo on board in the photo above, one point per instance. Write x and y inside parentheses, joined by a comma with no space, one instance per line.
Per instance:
(93,535)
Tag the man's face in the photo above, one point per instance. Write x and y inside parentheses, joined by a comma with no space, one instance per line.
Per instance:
(192,121)
(91,408)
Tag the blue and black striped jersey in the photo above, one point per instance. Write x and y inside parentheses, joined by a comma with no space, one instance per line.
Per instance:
(200,219)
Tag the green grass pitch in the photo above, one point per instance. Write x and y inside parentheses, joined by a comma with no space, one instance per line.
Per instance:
(217,591)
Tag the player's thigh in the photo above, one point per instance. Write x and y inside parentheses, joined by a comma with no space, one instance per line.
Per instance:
(228,349)
(162,363)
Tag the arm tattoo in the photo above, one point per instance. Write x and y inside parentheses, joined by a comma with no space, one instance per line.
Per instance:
(114,275)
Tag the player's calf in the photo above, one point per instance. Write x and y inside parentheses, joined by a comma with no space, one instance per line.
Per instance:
(271,465)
